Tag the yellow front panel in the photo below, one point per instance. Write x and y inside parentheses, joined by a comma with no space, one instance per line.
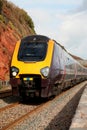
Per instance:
(32,67)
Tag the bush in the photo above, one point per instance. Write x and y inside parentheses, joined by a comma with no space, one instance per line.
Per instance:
(23,16)
(2,18)
(11,25)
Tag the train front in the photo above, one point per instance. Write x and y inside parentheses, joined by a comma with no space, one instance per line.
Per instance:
(30,67)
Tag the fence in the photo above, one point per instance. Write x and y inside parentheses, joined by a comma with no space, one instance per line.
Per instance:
(4,83)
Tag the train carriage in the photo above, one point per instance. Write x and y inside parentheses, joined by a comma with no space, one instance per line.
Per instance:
(42,67)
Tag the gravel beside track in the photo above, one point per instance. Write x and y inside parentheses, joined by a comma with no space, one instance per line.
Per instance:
(13,113)
(56,114)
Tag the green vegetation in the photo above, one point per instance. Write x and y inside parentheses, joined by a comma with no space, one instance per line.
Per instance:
(11,25)
(23,16)
(16,18)
(19,15)
(2,18)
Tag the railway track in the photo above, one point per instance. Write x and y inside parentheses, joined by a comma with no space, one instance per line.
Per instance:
(14,113)
(5,93)
(21,116)
(9,106)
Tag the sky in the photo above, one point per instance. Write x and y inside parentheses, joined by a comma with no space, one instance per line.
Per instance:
(62,20)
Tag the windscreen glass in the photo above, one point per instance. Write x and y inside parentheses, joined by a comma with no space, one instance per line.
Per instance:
(32,51)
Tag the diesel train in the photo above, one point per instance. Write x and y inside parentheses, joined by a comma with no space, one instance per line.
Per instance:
(41,67)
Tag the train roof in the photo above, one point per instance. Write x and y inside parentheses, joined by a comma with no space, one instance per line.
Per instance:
(40,38)
(36,37)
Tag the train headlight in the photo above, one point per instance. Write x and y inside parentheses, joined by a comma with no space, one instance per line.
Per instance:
(14,71)
(45,71)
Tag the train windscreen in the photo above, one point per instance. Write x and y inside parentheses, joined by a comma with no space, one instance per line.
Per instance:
(32,51)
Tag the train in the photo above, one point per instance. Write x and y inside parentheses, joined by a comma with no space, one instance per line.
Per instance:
(41,67)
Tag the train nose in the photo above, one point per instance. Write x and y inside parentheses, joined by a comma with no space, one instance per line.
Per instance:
(30,85)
